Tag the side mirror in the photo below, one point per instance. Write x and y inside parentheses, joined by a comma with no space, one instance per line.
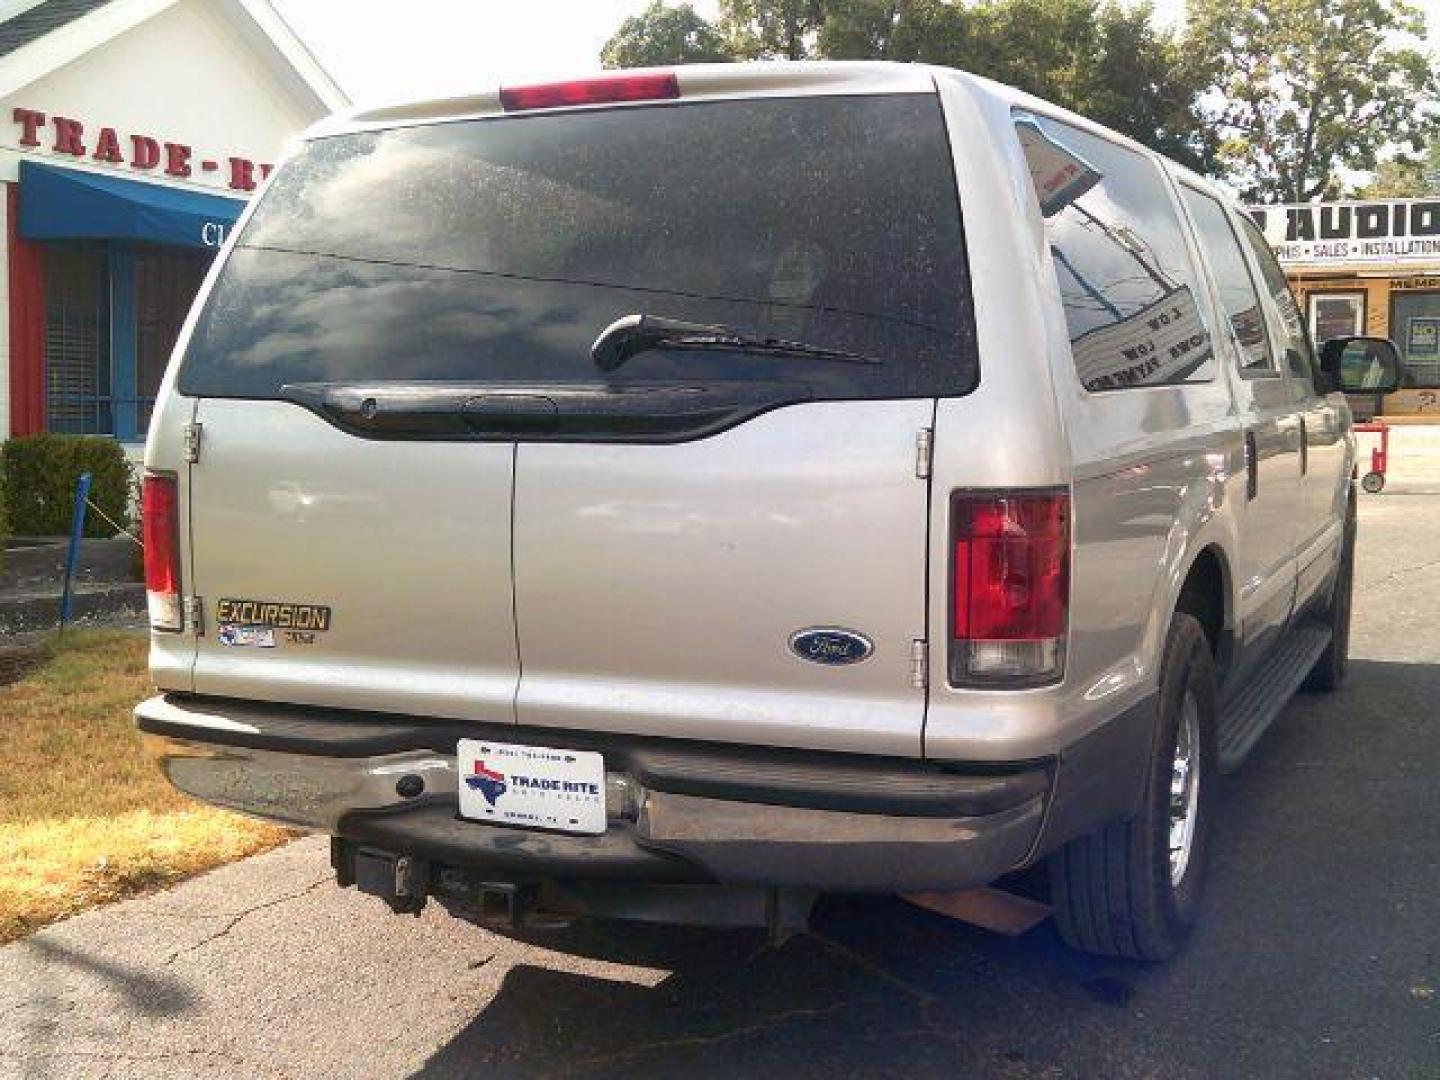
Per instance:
(1361,365)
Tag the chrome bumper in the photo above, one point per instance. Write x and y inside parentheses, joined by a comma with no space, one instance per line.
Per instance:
(712,839)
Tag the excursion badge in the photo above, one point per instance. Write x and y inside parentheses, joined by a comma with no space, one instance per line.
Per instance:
(256,623)
(277,615)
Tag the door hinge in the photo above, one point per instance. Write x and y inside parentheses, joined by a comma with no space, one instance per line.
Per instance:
(191,434)
(919,664)
(924,452)
(194,608)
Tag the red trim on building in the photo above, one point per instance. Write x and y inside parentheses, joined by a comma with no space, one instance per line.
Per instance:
(27,325)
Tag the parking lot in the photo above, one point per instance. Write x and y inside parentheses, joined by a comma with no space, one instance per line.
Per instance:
(1319,955)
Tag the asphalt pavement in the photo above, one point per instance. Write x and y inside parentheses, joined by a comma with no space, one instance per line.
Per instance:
(1319,955)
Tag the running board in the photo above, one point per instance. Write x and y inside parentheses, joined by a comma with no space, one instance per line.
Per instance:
(1249,711)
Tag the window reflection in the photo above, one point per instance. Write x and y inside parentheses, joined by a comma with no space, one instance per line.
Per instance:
(498,249)
(1239,299)
(1124,272)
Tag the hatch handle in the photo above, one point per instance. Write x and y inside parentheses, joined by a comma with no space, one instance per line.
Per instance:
(518,413)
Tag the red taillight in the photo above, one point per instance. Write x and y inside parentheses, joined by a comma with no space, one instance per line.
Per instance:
(652,86)
(1011,585)
(160,517)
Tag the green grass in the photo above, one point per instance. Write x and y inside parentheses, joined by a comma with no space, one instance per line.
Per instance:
(85,817)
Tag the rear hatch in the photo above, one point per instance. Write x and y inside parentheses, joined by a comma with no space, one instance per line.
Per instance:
(403,422)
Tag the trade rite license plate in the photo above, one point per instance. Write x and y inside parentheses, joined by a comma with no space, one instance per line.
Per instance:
(534,786)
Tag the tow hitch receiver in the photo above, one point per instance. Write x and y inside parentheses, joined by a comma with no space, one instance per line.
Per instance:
(401,881)
(405,883)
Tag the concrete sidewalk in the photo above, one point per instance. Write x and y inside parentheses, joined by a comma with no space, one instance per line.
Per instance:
(263,968)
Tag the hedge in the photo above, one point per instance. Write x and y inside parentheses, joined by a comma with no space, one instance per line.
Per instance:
(38,474)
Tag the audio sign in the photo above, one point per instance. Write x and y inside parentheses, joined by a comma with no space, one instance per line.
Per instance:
(141,152)
(1373,231)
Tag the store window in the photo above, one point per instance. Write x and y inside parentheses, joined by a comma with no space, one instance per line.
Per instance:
(1336,314)
(165,284)
(79,389)
(1415,326)
(112,315)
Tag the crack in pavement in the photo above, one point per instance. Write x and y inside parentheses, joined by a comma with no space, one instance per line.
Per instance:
(239,917)
(120,1055)
(926,1002)
(924,997)
(641,1049)
(929,1024)
(1393,574)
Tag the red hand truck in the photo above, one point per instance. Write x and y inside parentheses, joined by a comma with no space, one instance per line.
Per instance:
(1374,481)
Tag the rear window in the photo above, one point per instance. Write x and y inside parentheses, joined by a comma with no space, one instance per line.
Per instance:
(495,250)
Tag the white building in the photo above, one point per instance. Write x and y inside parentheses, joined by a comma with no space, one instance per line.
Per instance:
(131,133)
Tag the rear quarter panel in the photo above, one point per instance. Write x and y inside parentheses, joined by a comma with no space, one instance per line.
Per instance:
(1152,472)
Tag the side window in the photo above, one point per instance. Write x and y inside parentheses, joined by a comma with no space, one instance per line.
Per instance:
(1125,273)
(1238,296)
(1299,356)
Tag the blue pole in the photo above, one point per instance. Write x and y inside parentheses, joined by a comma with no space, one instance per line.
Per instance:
(77,530)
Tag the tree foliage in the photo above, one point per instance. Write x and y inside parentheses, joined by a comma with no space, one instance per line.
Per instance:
(775,29)
(1300,90)
(664,35)
(1406,177)
(1106,60)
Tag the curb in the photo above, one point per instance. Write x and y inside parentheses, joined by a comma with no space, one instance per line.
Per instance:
(40,612)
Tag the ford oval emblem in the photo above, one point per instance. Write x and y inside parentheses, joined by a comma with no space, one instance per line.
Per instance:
(832,645)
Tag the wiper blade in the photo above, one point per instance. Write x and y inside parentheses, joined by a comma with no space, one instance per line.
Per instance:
(631,335)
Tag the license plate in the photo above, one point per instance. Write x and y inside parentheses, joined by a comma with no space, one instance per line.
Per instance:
(534,786)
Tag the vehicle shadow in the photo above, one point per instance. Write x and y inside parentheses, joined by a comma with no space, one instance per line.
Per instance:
(47,1015)
(148,995)
(878,986)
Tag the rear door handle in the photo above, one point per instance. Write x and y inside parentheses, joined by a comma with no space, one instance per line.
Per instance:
(510,413)
(1252,467)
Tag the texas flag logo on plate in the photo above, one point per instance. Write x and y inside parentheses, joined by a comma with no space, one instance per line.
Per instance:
(488,782)
(531,787)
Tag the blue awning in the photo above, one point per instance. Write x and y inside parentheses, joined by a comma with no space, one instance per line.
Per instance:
(66,204)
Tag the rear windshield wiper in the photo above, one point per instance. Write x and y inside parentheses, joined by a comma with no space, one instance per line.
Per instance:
(632,335)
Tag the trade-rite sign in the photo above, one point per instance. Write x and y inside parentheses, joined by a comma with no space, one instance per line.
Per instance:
(1357,233)
(141,152)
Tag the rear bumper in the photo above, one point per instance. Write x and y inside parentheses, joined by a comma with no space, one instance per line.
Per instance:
(678,812)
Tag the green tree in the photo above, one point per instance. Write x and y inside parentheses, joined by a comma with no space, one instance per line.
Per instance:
(1103,60)
(664,35)
(774,29)
(1301,89)
(1406,178)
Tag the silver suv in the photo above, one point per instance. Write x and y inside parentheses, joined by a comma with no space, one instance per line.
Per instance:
(672,495)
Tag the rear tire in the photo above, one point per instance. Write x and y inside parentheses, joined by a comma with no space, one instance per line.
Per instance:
(1329,671)
(1133,888)
(1373,482)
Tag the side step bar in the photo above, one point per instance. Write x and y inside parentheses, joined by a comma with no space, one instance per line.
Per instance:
(1252,708)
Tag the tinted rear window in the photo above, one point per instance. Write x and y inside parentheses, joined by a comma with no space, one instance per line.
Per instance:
(496,250)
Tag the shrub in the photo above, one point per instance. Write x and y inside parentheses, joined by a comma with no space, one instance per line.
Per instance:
(38,475)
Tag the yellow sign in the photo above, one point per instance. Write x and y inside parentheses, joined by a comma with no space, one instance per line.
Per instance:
(1412,402)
